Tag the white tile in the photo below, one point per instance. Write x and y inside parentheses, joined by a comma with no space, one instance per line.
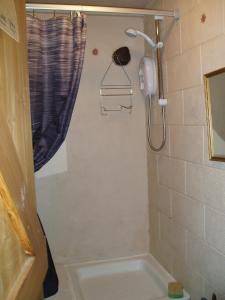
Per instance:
(215,229)
(207,185)
(187,143)
(189,213)
(207,262)
(194,106)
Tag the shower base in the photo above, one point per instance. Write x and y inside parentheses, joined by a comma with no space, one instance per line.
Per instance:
(139,278)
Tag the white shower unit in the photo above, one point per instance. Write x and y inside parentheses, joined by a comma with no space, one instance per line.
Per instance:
(137,278)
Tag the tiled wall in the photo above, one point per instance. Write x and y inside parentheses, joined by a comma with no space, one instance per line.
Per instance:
(187,191)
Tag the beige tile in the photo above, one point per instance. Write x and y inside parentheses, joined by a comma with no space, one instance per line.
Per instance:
(154,4)
(164,169)
(209,290)
(164,227)
(174,109)
(191,68)
(193,31)
(184,71)
(190,29)
(191,280)
(174,73)
(207,185)
(165,254)
(177,240)
(215,229)
(182,6)
(177,175)
(165,77)
(172,173)
(157,138)
(169,4)
(207,262)
(156,112)
(185,6)
(174,235)
(171,38)
(164,200)
(189,213)
(63,277)
(152,178)
(154,228)
(194,106)
(187,143)
(213,57)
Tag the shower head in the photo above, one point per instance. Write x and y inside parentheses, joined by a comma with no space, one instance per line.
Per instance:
(131,32)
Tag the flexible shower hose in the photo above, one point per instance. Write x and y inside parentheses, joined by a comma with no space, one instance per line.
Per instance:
(149,123)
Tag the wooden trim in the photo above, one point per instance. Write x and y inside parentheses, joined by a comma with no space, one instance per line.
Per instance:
(15,217)
(212,155)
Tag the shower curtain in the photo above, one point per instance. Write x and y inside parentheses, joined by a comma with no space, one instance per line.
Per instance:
(55,54)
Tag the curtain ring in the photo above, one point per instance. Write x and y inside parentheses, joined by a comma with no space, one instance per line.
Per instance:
(54,15)
(78,13)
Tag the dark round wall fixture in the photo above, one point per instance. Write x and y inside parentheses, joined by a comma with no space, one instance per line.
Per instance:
(121,56)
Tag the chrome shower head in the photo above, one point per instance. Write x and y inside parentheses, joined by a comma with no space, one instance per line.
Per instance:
(131,32)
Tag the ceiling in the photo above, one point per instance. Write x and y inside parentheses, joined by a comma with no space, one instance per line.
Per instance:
(117,3)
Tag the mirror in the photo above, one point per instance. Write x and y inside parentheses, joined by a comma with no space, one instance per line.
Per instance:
(215,106)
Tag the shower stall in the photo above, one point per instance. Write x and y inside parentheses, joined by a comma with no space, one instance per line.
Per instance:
(93,194)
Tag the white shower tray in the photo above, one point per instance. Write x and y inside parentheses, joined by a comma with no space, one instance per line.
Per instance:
(137,278)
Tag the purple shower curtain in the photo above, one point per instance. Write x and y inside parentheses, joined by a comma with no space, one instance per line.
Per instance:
(56,54)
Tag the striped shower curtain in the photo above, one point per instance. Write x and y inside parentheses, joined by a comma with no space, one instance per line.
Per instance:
(56,54)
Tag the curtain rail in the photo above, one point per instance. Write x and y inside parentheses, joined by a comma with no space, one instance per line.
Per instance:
(100,10)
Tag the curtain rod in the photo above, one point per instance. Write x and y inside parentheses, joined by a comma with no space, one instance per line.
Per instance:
(102,10)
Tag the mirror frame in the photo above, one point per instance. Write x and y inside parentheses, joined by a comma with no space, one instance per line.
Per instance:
(212,155)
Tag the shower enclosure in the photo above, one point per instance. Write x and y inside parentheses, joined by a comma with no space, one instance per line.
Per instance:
(97,208)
